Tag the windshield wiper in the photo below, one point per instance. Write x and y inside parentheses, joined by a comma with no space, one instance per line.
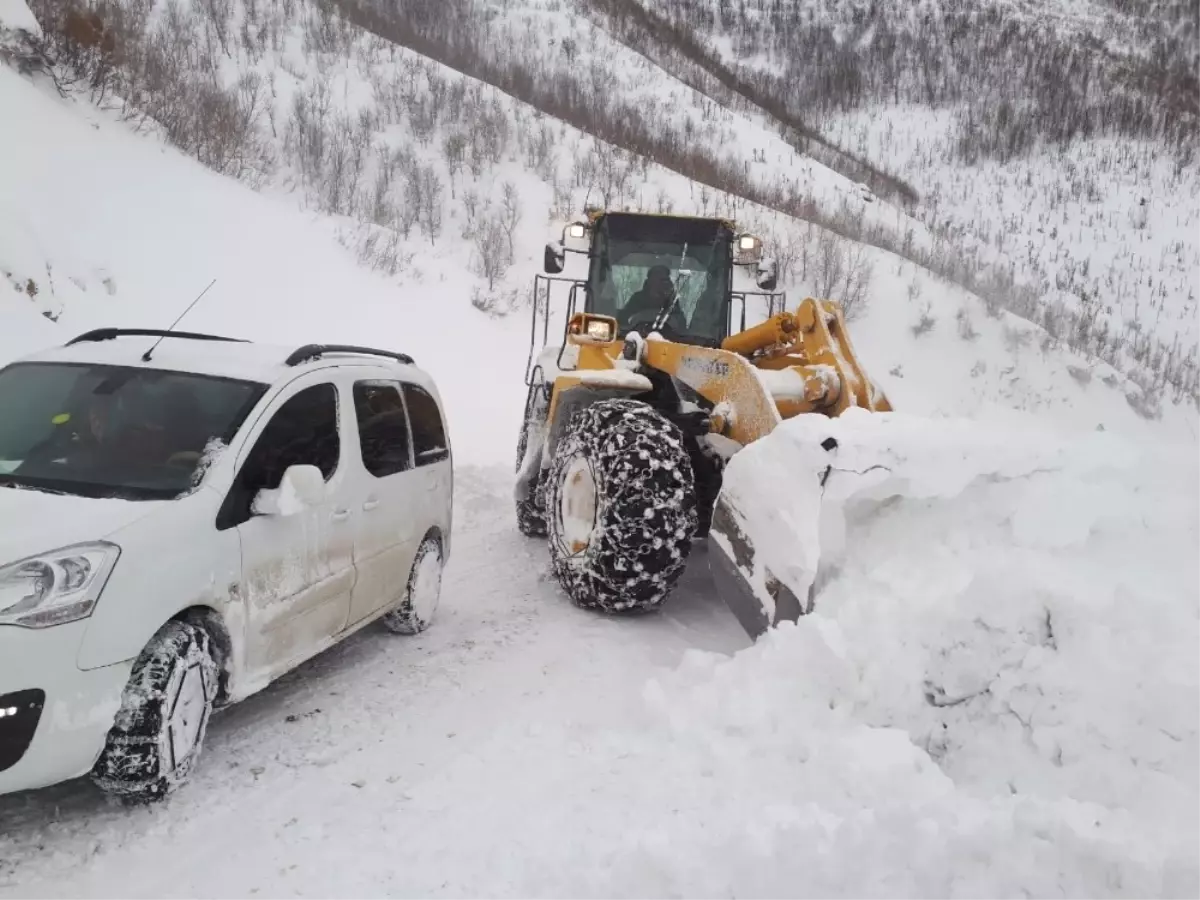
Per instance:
(20,486)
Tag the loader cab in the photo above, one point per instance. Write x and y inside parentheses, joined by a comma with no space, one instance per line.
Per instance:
(662,273)
(671,274)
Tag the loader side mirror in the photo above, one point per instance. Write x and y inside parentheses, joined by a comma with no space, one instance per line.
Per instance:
(766,276)
(555,257)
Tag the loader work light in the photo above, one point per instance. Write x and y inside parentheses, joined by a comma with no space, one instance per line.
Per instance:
(576,230)
(598,329)
(601,329)
(748,250)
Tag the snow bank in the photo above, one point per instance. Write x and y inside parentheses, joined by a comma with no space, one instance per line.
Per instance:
(996,695)
(1014,607)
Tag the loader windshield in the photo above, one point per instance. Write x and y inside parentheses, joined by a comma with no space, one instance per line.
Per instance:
(662,273)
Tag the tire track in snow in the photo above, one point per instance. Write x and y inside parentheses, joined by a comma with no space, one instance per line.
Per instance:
(347,736)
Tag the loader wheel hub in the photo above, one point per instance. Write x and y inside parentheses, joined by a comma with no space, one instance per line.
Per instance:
(578,506)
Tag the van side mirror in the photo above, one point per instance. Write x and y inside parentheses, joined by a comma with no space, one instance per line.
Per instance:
(555,257)
(766,276)
(301,487)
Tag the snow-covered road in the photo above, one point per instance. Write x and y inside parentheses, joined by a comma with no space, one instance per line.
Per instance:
(995,696)
(316,786)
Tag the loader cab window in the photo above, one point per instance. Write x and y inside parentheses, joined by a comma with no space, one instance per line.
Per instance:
(658,269)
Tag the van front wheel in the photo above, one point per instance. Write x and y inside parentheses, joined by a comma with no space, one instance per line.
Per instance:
(159,730)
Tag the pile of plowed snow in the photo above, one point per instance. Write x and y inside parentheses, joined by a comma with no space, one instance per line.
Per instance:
(997,694)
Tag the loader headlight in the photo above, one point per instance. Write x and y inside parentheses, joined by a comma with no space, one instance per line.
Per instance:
(56,587)
(749,249)
(601,329)
(576,230)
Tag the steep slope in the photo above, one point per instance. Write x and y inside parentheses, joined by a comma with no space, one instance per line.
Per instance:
(1050,146)
(119,230)
(418,163)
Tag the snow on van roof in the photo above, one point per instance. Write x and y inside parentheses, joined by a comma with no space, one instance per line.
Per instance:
(223,358)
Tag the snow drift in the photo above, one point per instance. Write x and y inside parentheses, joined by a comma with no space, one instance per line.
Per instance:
(997,694)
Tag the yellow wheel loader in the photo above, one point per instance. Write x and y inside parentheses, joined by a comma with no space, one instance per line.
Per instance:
(657,381)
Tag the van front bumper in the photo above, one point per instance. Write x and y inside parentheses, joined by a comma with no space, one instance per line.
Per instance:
(55,716)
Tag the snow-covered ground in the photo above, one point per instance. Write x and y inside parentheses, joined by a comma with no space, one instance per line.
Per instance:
(996,697)
(998,694)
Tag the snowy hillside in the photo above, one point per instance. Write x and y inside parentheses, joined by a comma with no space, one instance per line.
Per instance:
(998,694)
(428,175)
(1049,147)
(115,229)
(151,233)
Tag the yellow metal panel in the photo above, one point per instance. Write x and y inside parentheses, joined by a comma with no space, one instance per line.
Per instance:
(720,377)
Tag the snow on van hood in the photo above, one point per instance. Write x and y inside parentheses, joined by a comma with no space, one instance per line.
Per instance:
(33,522)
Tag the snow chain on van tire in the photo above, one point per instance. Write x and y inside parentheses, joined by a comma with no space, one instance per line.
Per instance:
(411,616)
(645,515)
(144,759)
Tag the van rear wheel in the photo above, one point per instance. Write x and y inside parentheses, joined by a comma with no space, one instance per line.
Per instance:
(422,592)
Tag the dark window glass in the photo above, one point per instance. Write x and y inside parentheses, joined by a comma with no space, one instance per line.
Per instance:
(115,431)
(303,432)
(428,431)
(668,272)
(382,428)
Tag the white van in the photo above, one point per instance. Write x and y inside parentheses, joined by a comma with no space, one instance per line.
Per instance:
(183,519)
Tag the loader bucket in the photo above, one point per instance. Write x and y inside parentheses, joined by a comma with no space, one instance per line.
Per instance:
(758,603)
(764,546)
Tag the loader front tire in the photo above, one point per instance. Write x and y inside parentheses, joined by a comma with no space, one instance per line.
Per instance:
(620,506)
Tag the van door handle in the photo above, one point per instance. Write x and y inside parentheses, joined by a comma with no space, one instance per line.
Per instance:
(340,515)
(370,504)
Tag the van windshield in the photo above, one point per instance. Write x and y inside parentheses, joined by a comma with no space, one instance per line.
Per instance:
(114,431)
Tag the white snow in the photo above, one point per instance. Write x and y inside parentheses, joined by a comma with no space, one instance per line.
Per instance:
(1023,607)
(15,15)
(282,501)
(616,378)
(127,233)
(996,695)
(982,704)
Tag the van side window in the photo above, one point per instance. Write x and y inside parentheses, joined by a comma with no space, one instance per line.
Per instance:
(428,430)
(304,431)
(382,428)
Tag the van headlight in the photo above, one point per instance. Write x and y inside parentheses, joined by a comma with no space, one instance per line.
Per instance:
(56,587)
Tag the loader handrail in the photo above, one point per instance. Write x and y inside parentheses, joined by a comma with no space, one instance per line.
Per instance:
(542,312)
(776,303)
